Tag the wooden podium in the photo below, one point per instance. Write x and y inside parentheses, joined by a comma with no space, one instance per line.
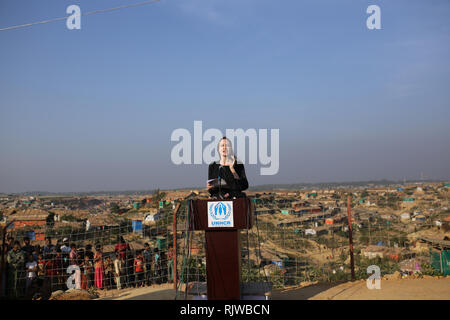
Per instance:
(223,252)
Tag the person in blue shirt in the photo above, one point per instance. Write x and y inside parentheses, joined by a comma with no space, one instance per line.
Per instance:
(48,247)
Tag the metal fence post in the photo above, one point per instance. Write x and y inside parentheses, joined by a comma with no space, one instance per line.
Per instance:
(352,262)
(174,245)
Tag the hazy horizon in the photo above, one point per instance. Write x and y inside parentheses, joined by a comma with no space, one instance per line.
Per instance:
(250,187)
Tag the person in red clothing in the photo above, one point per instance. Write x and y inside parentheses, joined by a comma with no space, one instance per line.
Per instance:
(88,273)
(50,273)
(73,256)
(98,260)
(41,270)
(122,247)
(139,269)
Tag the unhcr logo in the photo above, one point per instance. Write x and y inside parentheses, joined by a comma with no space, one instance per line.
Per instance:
(220,214)
(221,211)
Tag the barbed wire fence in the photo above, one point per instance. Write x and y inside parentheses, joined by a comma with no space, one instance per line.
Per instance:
(87,253)
(282,253)
(287,256)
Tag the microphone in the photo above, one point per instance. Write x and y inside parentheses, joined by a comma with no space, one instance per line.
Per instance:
(220,181)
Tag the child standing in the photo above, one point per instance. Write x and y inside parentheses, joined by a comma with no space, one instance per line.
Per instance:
(88,272)
(31,267)
(139,269)
(108,273)
(58,270)
(119,270)
(147,254)
(41,270)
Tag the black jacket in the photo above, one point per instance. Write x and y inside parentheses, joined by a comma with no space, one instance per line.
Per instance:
(235,186)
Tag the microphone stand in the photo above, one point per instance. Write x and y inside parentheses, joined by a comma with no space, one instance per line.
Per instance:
(220,183)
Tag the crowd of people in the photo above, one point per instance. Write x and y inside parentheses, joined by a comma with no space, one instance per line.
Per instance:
(31,270)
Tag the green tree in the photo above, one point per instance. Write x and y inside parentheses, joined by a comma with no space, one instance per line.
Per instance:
(428,270)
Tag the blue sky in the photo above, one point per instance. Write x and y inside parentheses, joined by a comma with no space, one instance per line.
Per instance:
(93,109)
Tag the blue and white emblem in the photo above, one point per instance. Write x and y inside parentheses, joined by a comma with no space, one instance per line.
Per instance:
(220,214)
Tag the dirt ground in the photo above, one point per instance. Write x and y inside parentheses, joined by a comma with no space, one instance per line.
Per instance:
(392,289)
(398,289)
(155,292)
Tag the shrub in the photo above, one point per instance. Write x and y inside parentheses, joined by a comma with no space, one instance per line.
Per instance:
(428,270)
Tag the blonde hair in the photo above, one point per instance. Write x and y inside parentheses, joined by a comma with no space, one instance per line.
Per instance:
(229,141)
